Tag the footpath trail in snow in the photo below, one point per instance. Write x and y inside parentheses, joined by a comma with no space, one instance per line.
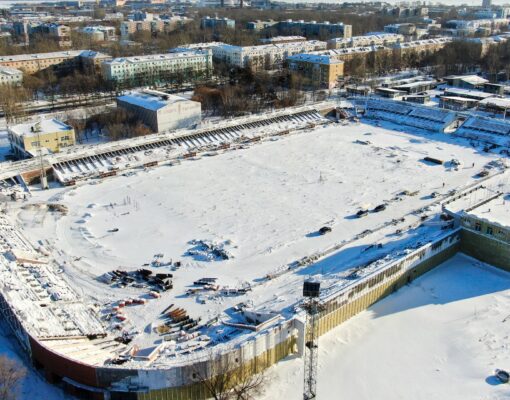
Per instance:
(441,337)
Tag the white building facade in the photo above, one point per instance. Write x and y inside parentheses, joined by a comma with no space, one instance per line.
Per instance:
(264,57)
(158,66)
(160,111)
(10,76)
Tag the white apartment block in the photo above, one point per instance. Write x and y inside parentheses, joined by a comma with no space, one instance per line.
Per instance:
(10,76)
(129,68)
(375,39)
(266,57)
(100,33)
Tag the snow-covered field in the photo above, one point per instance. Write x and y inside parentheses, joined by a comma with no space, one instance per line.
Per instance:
(264,204)
(439,338)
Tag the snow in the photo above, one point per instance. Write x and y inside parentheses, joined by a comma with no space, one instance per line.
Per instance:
(496,210)
(267,201)
(441,337)
(33,386)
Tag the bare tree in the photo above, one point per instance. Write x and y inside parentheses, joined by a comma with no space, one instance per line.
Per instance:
(11,375)
(224,377)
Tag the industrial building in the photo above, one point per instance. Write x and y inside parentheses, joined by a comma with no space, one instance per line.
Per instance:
(160,111)
(51,135)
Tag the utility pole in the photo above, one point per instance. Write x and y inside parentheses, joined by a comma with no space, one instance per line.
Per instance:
(312,306)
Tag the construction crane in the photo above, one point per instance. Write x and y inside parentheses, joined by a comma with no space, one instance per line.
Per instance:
(313,307)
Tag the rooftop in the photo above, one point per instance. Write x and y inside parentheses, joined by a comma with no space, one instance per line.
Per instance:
(495,211)
(151,99)
(9,71)
(467,92)
(56,54)
(156,57)
(42,127)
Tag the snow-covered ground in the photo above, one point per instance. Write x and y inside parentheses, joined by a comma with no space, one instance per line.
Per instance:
(441,337)
(264,204)
(33,386)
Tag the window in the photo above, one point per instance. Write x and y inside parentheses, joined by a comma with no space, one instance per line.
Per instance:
(489,230)
(478,227)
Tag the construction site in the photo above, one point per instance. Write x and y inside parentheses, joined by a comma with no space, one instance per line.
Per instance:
(125,265)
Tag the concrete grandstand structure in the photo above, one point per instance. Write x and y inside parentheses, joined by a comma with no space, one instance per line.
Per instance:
(67,339)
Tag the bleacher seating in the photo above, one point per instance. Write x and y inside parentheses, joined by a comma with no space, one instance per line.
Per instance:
(426,118)
(486,129)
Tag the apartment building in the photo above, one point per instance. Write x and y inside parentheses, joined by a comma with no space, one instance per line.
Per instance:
(259,25)
(100,33)
(28,30)
(283,39)
(421,47)
(314,28)
(370,39)
(158,66)
(149,23)
(217,23)
(264,57)
(10,76)
(59,62)
(318,70)
(50,134)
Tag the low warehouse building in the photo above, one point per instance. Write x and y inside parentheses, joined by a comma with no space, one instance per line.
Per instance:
(161,111)
(50,134)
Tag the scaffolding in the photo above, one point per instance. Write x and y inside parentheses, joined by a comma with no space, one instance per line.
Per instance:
(313,307)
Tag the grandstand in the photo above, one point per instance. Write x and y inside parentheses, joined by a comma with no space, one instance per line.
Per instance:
(489,130)
(401,113)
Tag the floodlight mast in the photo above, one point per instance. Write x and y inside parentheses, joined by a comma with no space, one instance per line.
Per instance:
(312,306)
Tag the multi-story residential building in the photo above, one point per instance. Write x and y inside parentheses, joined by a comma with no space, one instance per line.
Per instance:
(217,23)
(100,33)
(220,3)
(60,61)
(10,76)
(56,32)
(283,39)
(407,29)
(264,57)
(157,67)
(313,28)
(406,12)
(422,47)
(260,25)
(319,71)
(152,24)
(370,39)
(161,111)
(50,134)
(462,27)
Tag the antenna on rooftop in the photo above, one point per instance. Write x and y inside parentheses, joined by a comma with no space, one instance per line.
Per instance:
(312,306)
